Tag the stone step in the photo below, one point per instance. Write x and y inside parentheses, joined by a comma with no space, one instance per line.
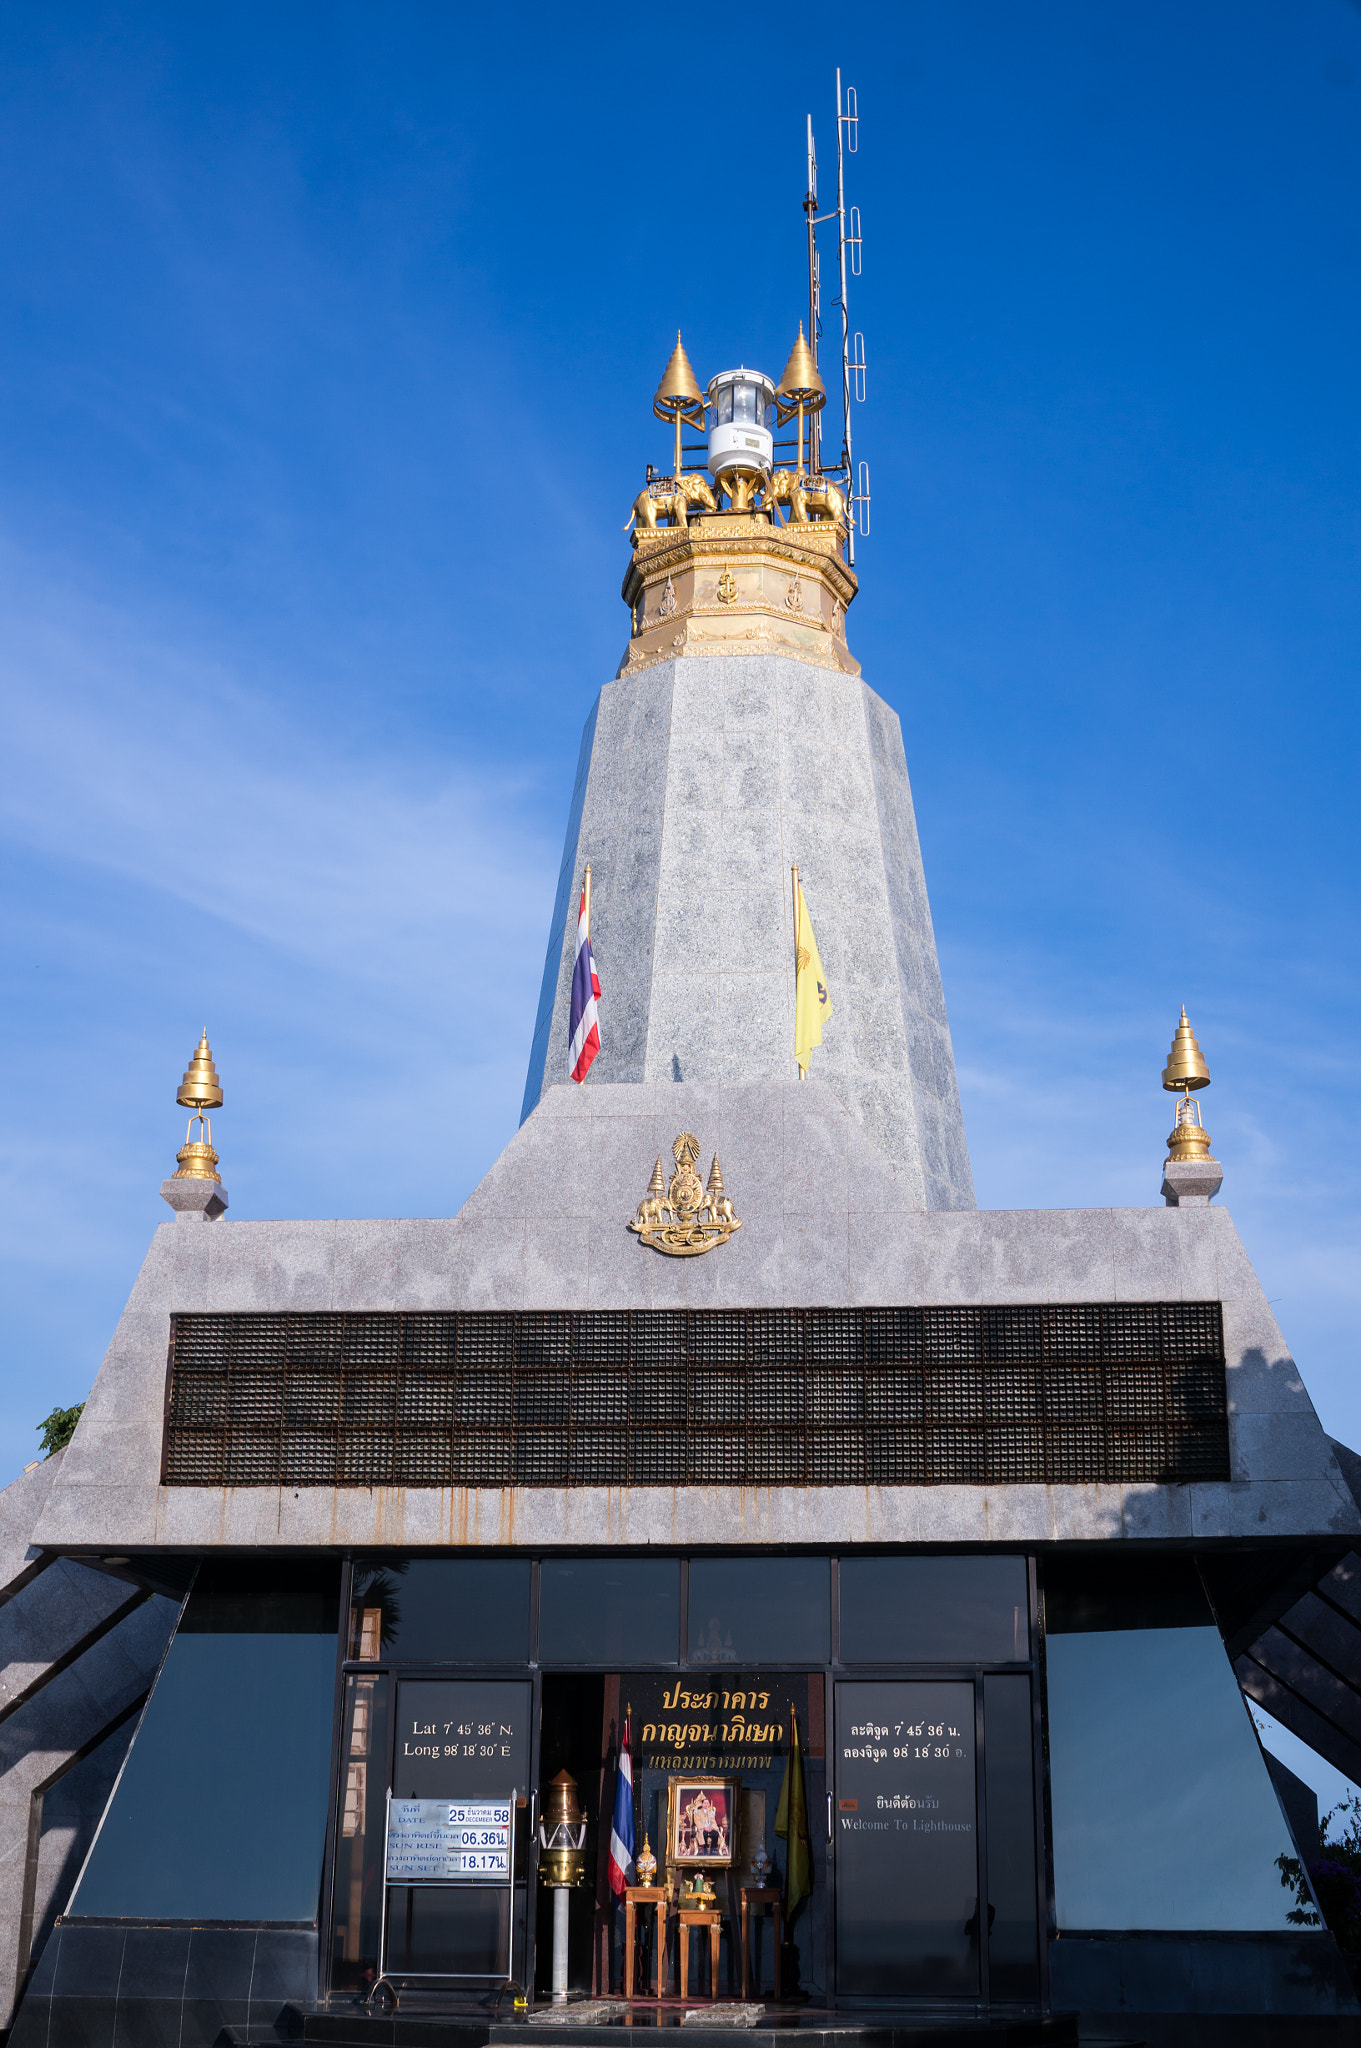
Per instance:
(636,2027)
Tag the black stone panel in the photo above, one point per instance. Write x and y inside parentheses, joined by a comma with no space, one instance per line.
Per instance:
(1289,1976)
(167,1987)
(148,2023)
(221,1963)
(155,1960)
(203,2020)
(285,1966)
(29,2027)
(89,1962)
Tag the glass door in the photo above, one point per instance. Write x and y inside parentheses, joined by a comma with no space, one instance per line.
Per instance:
(459,1739)
(906,1799)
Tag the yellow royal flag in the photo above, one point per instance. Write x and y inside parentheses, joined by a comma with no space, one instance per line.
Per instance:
(812,1003)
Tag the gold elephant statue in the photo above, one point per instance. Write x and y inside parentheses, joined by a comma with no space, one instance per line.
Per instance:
(652,1211)
(673,505)
(807,499)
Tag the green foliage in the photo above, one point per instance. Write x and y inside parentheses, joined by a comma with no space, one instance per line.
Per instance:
(1334,1878)
(59,1427)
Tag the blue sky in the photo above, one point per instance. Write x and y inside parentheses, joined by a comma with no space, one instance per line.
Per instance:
(327,344)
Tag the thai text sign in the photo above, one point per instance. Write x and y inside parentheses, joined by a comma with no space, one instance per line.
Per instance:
(906,1838)
(706,1722)
(448,1841)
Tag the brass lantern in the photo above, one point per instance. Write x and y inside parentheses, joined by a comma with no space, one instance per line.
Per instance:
(562,1836)
(199,1091)
(1189,1142)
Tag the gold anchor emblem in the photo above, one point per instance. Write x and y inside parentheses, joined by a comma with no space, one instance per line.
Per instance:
(699,1217)
(727,588)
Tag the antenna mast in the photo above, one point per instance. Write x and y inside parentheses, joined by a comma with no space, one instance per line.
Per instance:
(810,207)
(852,346)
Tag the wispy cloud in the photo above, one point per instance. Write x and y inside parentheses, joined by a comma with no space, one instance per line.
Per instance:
(368,919)
(154,762)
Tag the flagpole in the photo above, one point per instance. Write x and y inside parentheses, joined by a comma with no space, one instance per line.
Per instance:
(588,899)
(797,1068)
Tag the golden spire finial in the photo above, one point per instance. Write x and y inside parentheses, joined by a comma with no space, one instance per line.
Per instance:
(1189,1142)
(715,1186)
(657,1185)
(1186,1066)
(679,385)
(678,396)
(200,1088)
(800,390)
(199,1091)
(801,380)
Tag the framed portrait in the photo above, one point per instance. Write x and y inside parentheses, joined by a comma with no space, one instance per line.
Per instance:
(702,1823)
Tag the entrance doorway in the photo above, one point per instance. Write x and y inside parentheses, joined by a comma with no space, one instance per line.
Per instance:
(913,1674)
(935,1871)
(435,1745)
(718,1736)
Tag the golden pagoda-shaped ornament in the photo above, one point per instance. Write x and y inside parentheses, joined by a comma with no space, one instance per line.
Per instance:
(1190,1175)
(199,1091)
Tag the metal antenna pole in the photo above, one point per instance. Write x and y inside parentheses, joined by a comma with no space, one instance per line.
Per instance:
(852,346)
(810,207)
(848,246)
(845,311)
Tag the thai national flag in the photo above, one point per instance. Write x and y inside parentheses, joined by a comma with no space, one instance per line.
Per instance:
(621,1831)
(584,1025)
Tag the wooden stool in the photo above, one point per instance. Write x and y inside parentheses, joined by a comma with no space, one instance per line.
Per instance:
(760,1896)
(698,1916)
(654,1895)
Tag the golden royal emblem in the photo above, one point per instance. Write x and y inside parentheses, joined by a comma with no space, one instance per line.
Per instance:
(685,1218)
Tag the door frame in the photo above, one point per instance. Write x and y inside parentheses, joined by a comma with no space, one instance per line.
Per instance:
(396,1671)
(974,1676)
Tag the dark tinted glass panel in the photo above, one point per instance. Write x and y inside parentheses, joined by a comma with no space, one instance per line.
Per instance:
(461,1738)
(934,1610)
(609,1611)
(263,1599)
(1008,1775)
(440,1610)
(1107,1592)
(906,1841)
(771,1609)
(1151,1750)
(359,1847)
(220,1813)
(449,1932)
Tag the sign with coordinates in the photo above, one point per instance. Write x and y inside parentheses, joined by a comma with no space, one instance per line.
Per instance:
(449,1841)
(906,1839)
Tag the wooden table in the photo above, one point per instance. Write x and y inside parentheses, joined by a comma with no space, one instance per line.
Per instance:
(656,1896)
(760,1896)
(698,1916)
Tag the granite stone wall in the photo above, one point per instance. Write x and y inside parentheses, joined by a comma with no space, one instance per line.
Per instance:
(700,783)
(826,1223)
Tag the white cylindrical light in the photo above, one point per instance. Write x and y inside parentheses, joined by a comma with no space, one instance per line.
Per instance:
(739,437)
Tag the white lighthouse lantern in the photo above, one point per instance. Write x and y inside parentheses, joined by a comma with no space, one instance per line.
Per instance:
(739,437)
